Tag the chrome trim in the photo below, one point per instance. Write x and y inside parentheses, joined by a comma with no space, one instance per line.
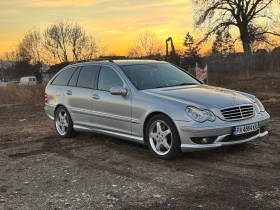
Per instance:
(228,107)
(198,147)
(220,138)
(135,121)
(101,114)
(110,133)
(238,112)
(52,118)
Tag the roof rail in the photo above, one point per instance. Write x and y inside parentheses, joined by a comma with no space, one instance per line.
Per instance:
(152,58)
(96,59)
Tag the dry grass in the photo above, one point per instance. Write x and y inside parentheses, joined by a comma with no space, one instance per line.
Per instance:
(23,94)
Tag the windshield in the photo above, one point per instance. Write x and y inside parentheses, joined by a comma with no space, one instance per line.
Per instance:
(150,76)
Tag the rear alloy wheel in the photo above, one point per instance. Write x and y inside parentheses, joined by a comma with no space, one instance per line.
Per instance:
(162,137)
(63,123)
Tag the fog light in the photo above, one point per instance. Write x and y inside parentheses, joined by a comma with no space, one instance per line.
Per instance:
(204,141)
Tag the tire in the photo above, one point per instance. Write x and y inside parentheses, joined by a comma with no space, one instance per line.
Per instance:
(162,137)
(63,123)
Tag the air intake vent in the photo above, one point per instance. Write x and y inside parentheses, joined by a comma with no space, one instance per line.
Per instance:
(238,112)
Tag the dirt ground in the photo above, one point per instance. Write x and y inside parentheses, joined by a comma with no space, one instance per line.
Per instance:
(39,170)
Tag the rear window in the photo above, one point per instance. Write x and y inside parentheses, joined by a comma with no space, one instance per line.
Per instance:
(64,77)
(87,76)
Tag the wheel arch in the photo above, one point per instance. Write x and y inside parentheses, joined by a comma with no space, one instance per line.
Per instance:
(61,105)
(149,116)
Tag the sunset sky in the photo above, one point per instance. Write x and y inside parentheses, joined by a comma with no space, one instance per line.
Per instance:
(116,22)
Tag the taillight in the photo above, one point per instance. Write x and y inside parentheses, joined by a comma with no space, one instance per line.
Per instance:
(46,99)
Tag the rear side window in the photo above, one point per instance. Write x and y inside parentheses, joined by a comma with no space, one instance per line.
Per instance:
(74,78)
(63,77)
(87,76)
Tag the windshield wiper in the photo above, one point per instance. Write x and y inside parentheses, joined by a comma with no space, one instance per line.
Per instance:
(181,84)
(186,84)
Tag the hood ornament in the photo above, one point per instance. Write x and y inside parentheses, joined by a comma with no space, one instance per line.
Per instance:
(233,97)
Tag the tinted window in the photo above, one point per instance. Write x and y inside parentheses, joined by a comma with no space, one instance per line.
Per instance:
(63,77)
(74,78)
(87,76)
(150,76)
(108,78)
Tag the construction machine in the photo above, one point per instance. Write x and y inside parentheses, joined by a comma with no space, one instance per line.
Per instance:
(172,57)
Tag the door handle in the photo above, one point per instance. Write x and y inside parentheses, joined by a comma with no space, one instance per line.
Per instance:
(95,96)
(69,92)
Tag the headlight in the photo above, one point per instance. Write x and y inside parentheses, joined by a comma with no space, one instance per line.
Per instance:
(199,115)
(259,105)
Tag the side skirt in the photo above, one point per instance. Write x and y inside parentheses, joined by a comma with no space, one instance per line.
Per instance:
(128,137)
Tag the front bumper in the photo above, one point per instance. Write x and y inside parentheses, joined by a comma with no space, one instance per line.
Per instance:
(220,129)
(199,147)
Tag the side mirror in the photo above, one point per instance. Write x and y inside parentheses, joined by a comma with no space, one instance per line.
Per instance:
(118,91)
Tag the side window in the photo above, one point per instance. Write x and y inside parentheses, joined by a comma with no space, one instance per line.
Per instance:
(108,78)
(34,79)
(63,77)
(30,79)
(87,76)
(74,78)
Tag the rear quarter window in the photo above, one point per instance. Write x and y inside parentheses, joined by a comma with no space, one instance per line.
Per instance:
(64,77)
(74,78)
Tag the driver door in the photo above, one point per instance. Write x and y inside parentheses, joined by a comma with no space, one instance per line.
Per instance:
(111,112)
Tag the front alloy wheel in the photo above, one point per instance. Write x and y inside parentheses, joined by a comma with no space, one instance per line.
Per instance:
(162,137)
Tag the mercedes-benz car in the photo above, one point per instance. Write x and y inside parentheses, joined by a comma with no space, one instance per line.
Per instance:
(154,103)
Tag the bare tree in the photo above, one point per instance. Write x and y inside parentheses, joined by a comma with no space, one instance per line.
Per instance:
(30,47)
(241,14)
(67,40)
(147,44)
(135,51)
(12,54)
(57,37)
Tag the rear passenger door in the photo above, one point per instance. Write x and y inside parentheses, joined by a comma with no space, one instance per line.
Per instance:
(79,94)
(111,112)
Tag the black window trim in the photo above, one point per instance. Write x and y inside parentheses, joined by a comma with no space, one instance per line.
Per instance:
(77,69)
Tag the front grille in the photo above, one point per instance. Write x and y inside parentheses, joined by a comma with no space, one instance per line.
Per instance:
(238,112)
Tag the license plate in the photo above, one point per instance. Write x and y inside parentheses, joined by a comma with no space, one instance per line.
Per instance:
(245,129)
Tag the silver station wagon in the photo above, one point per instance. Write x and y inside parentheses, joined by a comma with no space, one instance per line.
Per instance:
(151,102)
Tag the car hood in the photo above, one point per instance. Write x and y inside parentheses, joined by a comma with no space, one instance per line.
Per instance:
(201,96)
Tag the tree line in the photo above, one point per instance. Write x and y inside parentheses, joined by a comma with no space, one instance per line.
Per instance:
(63,41)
